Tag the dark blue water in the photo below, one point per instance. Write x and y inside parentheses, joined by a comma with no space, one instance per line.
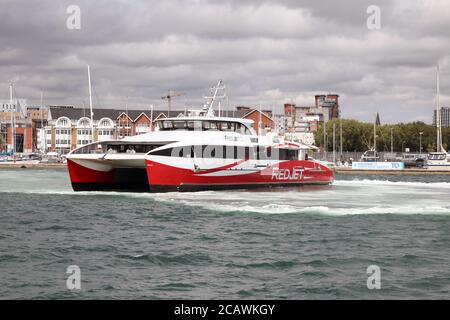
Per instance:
(302,243)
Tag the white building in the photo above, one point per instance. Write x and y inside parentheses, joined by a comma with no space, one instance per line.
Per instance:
(17,105)
(304,137)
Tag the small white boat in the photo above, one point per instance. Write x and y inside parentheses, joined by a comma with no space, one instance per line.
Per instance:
(19,161)
(370,160)
(51,157)
(439,160)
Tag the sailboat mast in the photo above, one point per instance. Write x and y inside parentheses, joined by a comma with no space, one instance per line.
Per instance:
(43,140)
(375,135)
(438,115)
(90,102)
(259,122)
(334,142)
(151,117)
(13,144)
(340,140)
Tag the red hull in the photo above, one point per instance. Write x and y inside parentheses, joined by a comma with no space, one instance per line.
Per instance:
(157,177)
(163,177)
(86,179)
(80,174)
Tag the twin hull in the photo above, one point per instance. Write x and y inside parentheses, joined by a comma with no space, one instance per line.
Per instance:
(157,174)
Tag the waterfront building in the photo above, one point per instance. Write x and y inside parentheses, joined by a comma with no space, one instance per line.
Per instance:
(18,105)
(308,118)
(69,127)
(301,122)
(62,128)
(23,133)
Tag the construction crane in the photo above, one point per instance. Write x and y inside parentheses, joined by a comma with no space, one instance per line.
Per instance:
(169,97)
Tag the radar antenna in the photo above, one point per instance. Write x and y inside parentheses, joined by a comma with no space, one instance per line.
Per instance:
(217,92)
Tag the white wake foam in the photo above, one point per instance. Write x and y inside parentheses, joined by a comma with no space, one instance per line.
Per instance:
(373,197)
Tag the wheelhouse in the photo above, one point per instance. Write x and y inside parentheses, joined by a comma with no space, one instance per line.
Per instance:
(237,152)
(118,147)
(205,125)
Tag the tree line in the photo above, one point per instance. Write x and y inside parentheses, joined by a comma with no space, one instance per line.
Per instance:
(358,136)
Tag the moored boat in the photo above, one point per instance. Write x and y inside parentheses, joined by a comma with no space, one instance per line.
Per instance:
(439,160)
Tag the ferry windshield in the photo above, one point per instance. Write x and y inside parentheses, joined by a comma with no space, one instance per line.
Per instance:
(229,152)
(197,125)
(117,147)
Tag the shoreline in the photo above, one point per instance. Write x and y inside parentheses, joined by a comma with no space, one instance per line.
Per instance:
(405,172)
(32,166)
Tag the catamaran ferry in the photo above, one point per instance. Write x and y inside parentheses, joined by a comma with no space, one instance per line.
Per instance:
(200,152)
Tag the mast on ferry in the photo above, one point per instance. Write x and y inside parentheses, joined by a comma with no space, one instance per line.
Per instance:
(90,102)
(375,136)
(208,108)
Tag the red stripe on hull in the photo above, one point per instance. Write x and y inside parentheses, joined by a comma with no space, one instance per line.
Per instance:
(285,173)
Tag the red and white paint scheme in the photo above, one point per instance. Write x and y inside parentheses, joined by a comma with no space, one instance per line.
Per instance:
(199,152)
(195,153)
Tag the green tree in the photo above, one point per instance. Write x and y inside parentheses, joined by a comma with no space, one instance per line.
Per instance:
(358,136)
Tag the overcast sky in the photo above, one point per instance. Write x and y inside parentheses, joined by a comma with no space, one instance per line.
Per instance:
(268,52)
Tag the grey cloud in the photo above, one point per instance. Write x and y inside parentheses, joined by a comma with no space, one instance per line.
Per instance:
(268,52)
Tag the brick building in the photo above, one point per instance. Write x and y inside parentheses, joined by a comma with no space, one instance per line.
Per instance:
(69,127)
(23,133)
(303,121)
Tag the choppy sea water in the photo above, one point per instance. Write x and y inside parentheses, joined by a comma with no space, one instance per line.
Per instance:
(298,243)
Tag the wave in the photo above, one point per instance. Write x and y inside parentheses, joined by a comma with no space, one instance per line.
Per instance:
(330,211)
(336,183)
(338,200)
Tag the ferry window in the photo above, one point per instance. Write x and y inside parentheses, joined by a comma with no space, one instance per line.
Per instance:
(238,128)
(198,126)
(263,153)
(227,152)
(242,129)
(288,154)
(191,125)
(167,124)
(226,126)
(209,125)
(165,152)
(130,148)
(212,152)
(179,125)
(244,153)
